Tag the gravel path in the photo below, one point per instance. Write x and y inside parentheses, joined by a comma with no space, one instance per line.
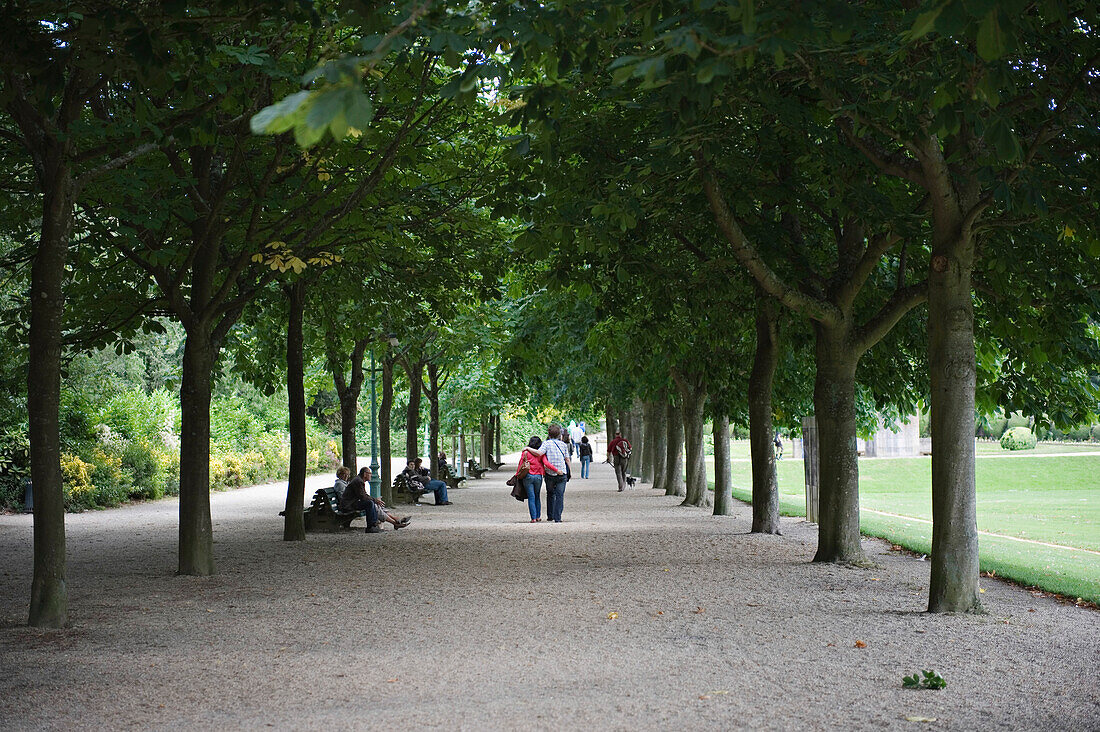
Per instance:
(474,618)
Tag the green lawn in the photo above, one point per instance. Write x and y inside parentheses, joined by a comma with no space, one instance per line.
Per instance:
(1051,499)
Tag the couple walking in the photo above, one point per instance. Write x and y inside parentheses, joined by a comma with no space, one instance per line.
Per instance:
(547,461)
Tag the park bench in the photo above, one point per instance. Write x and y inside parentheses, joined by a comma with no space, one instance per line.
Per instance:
(448,475)
(494,464)
(474,469)
(324,512)
(407,491)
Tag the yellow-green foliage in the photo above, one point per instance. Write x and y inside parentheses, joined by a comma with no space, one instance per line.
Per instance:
(77,477)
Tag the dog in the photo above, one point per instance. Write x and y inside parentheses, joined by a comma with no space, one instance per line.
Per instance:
(631,480)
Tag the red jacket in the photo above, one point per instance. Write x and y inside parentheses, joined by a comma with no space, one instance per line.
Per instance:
(614,444)
(538,464)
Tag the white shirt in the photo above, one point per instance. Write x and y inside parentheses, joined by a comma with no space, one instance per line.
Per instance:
(556,453)
(576,433)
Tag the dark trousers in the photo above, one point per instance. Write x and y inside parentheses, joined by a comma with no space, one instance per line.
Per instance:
(365,504)
(555,496)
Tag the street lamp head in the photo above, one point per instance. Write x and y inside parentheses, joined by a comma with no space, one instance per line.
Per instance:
(392,338)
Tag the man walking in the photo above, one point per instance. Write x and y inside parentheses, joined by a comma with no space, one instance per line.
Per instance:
(618,454)
(558,455)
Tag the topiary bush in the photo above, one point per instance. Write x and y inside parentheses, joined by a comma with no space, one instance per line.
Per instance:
(1018,438)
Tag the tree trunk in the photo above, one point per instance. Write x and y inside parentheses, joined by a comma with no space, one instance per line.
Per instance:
(659,441)
(293,522)
(433,423)
(674,473)
(765,485)
(195,533)
(610,422)
(649,418)
(385,449)
(954,579)
(349,412)
(723,471)
(412,416)
(835,411)
(497,437)
(486,432)
(49,607)
(694,398)
(638,437)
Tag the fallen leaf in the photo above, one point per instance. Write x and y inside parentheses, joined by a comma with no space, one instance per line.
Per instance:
(719,692)
(612,615)
(874,579)
(698,610)
(662,612)
(391,681)
(981,590)
(920,719)
(704,696)
(860,644)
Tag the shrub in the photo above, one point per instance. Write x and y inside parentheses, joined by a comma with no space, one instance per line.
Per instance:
(80,492)
(11,491)
(1018,438)
(149,465)
(137,415)
(1095,433)
(1080,434)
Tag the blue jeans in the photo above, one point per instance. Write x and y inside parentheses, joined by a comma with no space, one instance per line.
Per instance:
(440,490)
(586,460)
(533,484)
(371,509)
(555,496)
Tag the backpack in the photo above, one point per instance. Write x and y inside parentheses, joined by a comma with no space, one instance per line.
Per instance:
(623,449)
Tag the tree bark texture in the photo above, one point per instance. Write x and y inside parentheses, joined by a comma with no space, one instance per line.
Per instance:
(412,415)
(835,410)
(49,606)
(954,572)
(293,521)
(765,485)
(693,397)
(348,393)
(433,412)
(496,436)
(649,411)
(385,448)
(674,468)
(659,441)
(611,422)
(196,539)
(723,470)
(638,438)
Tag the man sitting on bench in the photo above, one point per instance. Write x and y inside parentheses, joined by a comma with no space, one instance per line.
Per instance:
(416,473)
(356,498)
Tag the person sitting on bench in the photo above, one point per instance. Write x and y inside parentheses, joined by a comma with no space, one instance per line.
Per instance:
(416,473)
(356,498)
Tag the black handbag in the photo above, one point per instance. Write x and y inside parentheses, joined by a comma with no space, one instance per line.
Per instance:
(518,491)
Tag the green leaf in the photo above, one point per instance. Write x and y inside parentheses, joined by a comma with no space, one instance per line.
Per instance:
(278,117)
(924,24)
(991,38)
(999,134)
(359,111)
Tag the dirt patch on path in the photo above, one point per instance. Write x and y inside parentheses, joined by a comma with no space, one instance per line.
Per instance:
(474,618)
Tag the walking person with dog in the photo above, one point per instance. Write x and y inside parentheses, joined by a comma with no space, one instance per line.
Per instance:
(618,454)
